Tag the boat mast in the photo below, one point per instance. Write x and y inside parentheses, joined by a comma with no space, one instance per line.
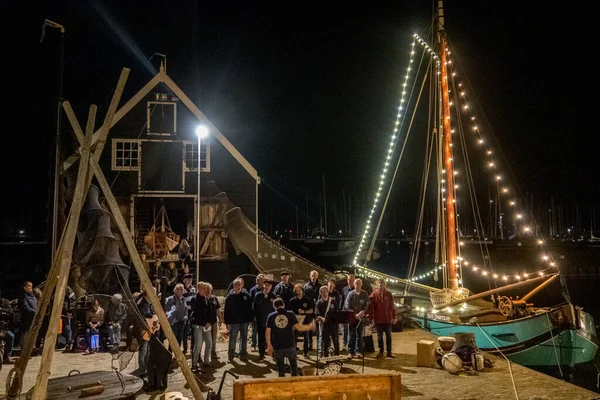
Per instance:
(447,155)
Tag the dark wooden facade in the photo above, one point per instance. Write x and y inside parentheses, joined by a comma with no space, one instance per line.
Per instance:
(151,160)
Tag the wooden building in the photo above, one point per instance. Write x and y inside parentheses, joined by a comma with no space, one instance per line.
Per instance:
(152,163)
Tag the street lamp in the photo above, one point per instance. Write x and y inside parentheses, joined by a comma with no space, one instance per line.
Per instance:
(201,132)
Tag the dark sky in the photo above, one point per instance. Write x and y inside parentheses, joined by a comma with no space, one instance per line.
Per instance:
(307,91)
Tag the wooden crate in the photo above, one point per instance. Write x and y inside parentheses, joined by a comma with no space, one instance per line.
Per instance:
(324,387)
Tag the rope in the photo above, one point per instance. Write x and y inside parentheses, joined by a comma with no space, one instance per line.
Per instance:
(554,346)
(507,360)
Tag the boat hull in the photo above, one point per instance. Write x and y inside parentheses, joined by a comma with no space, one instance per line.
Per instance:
(549,338)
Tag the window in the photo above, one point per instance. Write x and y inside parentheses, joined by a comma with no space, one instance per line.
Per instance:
(125,155)
(191,156)
(161,118)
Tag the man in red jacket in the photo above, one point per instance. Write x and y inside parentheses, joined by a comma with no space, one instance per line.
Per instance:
(383,314)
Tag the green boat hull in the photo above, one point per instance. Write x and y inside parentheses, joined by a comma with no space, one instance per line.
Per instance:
(560,336)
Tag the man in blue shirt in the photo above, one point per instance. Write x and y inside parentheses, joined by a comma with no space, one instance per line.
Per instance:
(357,302)
(280,336)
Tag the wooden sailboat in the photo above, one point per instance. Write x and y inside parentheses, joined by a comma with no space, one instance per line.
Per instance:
(534,336)
(161,239)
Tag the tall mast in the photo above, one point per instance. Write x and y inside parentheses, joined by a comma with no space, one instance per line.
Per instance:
(447,155)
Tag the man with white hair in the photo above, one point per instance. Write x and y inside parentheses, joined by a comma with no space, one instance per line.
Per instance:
(357,302)
(238,314)
(177,312)
(117,313)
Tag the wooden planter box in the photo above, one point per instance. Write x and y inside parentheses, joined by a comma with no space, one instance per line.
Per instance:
(324,387)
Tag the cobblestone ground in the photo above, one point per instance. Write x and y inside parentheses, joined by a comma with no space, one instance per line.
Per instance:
(417,382)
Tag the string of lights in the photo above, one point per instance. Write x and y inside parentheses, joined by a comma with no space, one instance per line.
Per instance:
(393,141)
(504,191)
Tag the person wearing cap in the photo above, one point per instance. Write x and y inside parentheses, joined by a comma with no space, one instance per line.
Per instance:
(262,306)
(284,289)
(280,336)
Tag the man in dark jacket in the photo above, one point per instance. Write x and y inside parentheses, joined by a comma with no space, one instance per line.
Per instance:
(329,329)
(304,308)
(311,289)
(66,317)
(28,307)
(202,317)
(238,314)
(347,289)
(263,306)
(284,289)
(260,281)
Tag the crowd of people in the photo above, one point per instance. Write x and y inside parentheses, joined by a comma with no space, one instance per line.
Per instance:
(279,314)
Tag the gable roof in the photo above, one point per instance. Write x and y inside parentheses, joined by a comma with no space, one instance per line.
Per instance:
(162,77)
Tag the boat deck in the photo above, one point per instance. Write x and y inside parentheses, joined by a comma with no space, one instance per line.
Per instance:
(417,382)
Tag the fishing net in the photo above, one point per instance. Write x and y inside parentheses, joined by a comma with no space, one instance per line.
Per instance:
(97,252)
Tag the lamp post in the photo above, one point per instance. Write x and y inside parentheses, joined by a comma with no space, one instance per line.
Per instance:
(201,132)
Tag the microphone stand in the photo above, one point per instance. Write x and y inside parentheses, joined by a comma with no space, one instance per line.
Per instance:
(362,346)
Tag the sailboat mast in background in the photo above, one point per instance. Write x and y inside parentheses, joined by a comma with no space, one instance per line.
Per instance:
(447,156)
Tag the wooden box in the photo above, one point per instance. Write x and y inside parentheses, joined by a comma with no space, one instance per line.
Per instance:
(324,387)
(425,353)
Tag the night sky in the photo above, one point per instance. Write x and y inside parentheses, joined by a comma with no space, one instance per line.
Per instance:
(306,91)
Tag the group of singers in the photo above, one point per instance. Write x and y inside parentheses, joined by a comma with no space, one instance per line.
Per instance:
(281,312)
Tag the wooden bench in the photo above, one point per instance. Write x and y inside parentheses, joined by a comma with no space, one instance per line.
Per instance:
(324,387)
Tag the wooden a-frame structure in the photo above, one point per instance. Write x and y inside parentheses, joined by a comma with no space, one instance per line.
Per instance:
(91,147)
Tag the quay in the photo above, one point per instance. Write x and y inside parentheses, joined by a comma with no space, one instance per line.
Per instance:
(418,383)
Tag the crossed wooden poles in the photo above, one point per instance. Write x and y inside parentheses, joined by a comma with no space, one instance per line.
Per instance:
(59,271)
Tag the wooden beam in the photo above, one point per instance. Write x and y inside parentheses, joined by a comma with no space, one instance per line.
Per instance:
(216,219)
(68,163)
(41,382)
(537,289)
(145,280)
(490,292)
(13,388)
(213,129)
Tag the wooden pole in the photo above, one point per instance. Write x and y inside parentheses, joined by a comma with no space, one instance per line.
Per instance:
(41,382)
(489,292)
(139,267)
(145,280)
(538,288)
(13,388)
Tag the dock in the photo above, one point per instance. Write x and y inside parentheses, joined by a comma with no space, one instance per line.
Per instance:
(418,383)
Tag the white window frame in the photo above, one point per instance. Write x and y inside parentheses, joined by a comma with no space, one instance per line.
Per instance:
(114,165)
(205,143)
(148,115)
